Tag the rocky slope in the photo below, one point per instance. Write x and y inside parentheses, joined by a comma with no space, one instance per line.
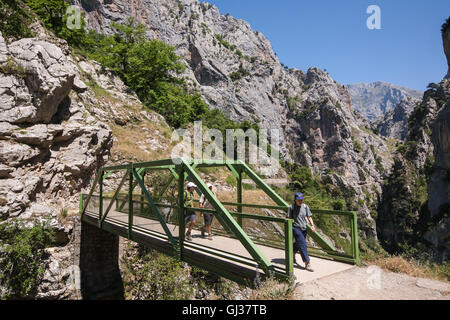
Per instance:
(416,195)
(58,115)
(439,184)
(236,70)
(394,124)
(375,99)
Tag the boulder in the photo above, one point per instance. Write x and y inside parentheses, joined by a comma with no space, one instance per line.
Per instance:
(43,77)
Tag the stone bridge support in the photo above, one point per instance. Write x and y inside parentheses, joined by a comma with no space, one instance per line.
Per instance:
(98,259)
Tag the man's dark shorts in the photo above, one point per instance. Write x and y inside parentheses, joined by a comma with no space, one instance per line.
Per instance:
(208,218)
(189,216)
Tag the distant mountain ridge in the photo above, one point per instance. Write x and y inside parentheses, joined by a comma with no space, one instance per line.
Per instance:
(375,99)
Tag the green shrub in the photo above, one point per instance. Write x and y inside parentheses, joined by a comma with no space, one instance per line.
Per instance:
(304,114)
(14,19)
(224,43)
(231,181)
(379,165)
(22,257)
(339,204)
(11,67)
(356,145)
(157,277)
(239,74)
(53,15)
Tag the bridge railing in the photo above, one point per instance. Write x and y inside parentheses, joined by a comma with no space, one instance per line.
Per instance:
(249,224)
(338,227)
(268,228)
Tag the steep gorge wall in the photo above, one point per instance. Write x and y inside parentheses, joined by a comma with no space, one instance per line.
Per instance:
(236,70)
(416,206)
(439,185)
(57,114)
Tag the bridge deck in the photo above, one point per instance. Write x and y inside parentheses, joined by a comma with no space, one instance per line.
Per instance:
(117,223)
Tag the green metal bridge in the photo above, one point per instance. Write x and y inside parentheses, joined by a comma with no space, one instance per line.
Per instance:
(246,246)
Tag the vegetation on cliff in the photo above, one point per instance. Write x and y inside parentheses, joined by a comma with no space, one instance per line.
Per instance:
(22,257)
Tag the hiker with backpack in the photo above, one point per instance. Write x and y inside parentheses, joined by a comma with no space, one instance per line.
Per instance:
(207,216)
(189,215)
(301,214)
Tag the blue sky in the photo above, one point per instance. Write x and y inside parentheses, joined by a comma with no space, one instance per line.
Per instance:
(333,35)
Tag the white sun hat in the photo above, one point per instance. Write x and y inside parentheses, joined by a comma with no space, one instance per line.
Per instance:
(209,185)
(191,184)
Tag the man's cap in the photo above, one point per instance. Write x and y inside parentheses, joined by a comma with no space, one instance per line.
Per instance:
(299,196)
(209,185)
(191,184)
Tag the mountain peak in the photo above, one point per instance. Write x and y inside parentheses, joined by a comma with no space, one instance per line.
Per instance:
(375,99)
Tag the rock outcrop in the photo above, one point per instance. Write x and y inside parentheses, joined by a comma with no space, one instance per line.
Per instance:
(394,124)
(58,114)
(45,150)
(445,31)
(439,185)
(374,100)
(404,216)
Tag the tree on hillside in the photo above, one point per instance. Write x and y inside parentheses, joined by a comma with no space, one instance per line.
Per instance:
(51,12)
(14,19)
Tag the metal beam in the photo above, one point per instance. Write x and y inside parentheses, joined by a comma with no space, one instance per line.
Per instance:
(181,221)
(114,197)
(91,192)
(155,209)
(227,220)
(321,241)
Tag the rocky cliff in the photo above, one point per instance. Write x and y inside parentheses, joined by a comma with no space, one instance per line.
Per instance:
(446,42)
(58,115)
(414,211)
(374,100)
(236,70)
(439,185)
(394,124)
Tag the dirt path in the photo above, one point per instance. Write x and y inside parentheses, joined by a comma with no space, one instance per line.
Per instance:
(372,283)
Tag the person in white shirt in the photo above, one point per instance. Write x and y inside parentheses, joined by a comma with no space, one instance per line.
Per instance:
(207,216)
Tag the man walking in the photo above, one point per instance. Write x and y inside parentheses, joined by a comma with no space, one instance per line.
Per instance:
(301,214)
(189,215)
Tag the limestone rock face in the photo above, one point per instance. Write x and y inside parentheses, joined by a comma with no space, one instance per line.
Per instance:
(57,114)
(48,151)
(43,78)
(394,124)
(439,185)
(374,100)
(44,150)
(238,72)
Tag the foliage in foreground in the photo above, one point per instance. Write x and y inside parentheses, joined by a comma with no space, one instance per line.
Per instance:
(14,19)
(150,275)
(22,257)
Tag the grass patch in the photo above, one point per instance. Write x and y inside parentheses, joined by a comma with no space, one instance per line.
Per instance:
(11,67)
(272,289)
(409,266)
